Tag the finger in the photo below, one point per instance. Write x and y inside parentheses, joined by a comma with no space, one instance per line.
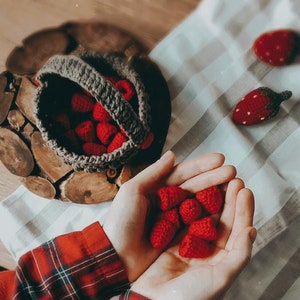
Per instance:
(228,213)
(237,258)
(147,179)
(190,168)
(243,217)
(210,178)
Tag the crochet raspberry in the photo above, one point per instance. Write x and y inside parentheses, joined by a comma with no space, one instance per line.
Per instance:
(82,103)
(259,105)
(105,132)
(62,120)
(170,196)
(194,247)
(162,233)
(86,131)
(100,114)
(117,142)
(71,138)
(277,47)
(190,210)
(148,141)
(172,216)
(93,149)
(204,228)
(211,199)
(125,88)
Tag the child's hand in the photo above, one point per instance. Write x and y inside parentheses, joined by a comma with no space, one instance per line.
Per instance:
(126,222)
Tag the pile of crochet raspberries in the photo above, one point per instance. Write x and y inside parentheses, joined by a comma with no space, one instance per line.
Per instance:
(181,210)
(88,128)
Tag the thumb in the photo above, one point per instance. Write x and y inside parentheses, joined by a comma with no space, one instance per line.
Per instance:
(240,254)
(149,177)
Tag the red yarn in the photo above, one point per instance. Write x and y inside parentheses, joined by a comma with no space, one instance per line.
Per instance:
(86,131)
(170,196)
(82,103)
(172,216)
(204,228)
(117,142)
(194,247)
(105,132)
(162,233)
(71,138)
(125,88)
(190,210)
(100,114)
(93,149)
(148,141)
(211,199)
(62,120)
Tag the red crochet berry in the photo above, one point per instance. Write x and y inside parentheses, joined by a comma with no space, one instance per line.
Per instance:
(93,149)
(62,121)
(204,228)
(82,103)
(71,139)
(259,105)
(277,47)
(172,216)
(125,88)
(190,210)
(148,141)
(86,131)
(105,132)
(170,196)
(194,247)
(162,233)
(211,199)
(100,114)
(117,142)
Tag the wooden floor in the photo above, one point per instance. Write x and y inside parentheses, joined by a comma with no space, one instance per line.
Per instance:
(147,20)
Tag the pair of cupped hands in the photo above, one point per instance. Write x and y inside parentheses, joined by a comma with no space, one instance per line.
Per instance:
(165,274)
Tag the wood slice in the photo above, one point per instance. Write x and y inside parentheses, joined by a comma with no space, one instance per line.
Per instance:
(3,83)
(125,175)
(36,50)
(17,93)
(101,37)
(28,131)
(40,186)
(25,99)
(88,188)
(15,119)
(50,164)
(6,99)
(14,153)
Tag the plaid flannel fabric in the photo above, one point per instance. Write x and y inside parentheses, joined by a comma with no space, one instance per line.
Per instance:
(79,265)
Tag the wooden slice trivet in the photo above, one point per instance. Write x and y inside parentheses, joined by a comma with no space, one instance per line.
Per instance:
(22,150)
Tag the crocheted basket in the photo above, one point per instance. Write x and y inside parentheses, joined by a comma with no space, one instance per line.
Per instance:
(142,122)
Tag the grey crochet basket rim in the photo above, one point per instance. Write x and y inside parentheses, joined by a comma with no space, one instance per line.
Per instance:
(79,70)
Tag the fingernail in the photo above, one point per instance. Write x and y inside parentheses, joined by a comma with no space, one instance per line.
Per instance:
(253,234)
(166,155)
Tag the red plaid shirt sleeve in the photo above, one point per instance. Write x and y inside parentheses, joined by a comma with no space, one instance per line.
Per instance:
(78,265)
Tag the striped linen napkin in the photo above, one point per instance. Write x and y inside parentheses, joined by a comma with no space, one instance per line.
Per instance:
(209,65)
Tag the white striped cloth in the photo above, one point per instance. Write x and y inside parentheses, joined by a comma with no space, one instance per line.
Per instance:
(209,65)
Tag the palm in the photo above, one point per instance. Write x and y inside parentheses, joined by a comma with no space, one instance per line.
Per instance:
(174,277)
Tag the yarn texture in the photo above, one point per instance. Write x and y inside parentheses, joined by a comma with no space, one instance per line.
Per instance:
(112,82)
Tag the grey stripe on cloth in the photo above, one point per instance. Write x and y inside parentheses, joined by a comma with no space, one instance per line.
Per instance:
(264,276)
(270,142)
(35,224)
(218,110)
(279,222)
(284,279)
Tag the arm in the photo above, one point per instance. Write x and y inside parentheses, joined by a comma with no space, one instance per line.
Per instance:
(82,263)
